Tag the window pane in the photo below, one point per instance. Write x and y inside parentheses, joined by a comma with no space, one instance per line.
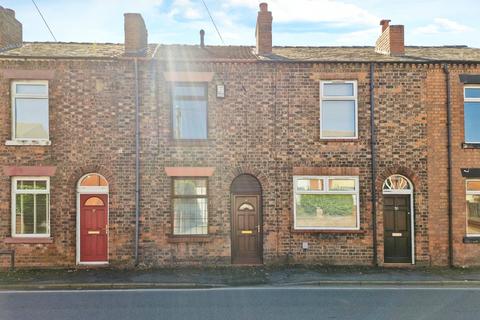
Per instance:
(93,180)
(310,184)
(190,119)
(25,185)
(338,89)
(41,185)
(94,201)
(341,185)
(190,216)
(338,119)
(473,214)
(473,185)
(472,121)
(184,187)
(31,117)
(41,202)
(39,89)
(189,91)
(24,214)
(326,210)
(472,92)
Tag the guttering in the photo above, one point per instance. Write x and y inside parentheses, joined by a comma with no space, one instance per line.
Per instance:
(137,160)
(373,162)
(449,165)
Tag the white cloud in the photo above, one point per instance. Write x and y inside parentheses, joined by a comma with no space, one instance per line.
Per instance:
(443,25)
(330,11)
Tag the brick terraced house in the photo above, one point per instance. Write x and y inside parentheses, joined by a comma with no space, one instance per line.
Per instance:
(160,155)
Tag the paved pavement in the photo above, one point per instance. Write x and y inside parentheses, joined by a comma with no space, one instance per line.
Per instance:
(233,276)
(245,303)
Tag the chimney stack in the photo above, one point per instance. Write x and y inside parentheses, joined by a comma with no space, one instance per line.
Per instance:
(10,29)
(263,31)
(392,40)
(136,35)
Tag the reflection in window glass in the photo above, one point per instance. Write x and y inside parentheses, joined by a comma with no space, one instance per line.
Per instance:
(189,111)
(472,122)
(338,119)
(36,89)
(190,186)
(93,180)
(338,89)
(31,207)
(333,208)
(309,184)
(472,92)
(31,118)
(341,185)
(190,207)
(473,207)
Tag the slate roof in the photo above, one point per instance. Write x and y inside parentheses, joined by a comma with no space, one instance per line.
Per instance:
(244,53)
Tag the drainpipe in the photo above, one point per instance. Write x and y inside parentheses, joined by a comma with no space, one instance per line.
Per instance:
(449,165)
(137,161)
(373,162)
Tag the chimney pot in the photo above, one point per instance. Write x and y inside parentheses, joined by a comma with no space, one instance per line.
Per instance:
(202,38)
(385,23)
(263,32)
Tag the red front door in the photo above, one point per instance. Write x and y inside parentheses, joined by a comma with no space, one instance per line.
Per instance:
(93,228)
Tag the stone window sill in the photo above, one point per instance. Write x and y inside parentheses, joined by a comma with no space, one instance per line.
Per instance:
(467,145)
(191,142)
(30,240)
(188,239)
(471,239)
(339,140)
(28,142)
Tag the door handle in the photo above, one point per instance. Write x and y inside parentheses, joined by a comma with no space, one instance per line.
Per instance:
(246,232)
(396,234)
(93,232)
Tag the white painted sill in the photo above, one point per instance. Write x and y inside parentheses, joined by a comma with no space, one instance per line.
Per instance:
(28,142)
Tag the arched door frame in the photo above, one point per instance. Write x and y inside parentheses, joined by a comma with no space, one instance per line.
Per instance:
(91,190)
(245,192)
(410,192)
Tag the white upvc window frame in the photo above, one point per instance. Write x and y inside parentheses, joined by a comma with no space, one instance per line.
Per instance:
(326,190)
(14,95)
(465,100)
(469,193)
(339,98)
(16,191)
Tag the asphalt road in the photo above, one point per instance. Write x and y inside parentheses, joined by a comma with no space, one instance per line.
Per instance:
(245,303)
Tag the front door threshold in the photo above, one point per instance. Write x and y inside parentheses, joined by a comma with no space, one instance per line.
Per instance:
(93,263)
(398,265)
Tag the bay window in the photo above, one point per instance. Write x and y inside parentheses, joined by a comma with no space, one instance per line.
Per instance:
(326,203)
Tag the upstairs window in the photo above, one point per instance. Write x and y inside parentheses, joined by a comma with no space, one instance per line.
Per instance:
(472,114)
(323,203)
(338,110)
(189,110)
(30,110)
(30,206)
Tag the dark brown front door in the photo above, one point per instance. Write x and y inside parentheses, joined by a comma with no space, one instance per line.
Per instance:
(396,220)
(246,230)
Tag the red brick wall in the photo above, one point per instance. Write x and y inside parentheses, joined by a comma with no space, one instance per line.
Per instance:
(92,130)
(266,125)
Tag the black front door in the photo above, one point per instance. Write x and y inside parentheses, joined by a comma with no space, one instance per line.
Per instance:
(396,221)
